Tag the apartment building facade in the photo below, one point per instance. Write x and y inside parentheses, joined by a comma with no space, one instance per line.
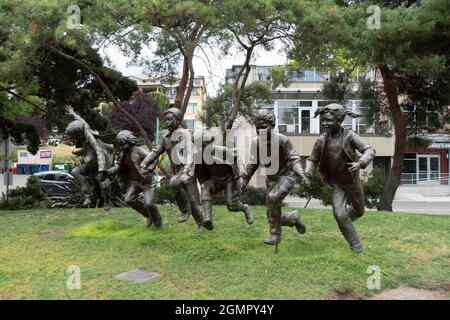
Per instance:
(196,100)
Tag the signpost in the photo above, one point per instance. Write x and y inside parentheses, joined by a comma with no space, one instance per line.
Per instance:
(157,142)
(8,176)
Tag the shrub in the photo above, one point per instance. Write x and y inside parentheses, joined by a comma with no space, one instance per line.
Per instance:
(164,193)
(373,188)
(29,197)
(252,196)
(316,190)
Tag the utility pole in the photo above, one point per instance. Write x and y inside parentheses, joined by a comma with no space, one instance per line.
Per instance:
(7,174)
(157,143)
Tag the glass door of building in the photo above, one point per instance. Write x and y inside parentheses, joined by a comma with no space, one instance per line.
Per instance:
(428,168)
(305,120)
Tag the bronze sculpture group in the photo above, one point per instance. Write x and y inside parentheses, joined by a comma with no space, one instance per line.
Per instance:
(217,168)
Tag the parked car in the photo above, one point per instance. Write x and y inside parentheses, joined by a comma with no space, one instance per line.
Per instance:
(54,141)
(53,182)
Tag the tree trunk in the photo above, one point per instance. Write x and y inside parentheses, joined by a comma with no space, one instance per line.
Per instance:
(187,96)
(238,90)
(394,179)
(307,202)
(182,85)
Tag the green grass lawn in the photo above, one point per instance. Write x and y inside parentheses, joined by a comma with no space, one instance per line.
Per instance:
(230,262)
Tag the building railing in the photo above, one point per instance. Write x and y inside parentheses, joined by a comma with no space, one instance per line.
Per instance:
(313,74)
(324,74)
(432,178)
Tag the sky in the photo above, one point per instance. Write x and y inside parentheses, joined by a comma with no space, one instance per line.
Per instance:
(211,67)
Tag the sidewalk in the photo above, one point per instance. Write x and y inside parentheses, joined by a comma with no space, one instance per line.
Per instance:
(433,200)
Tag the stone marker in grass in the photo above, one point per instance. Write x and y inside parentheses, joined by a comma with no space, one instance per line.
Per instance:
(138,275)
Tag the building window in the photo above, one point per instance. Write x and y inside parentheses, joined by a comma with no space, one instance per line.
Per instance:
(263,73)
(195,92)
(171,93)
(361,124)
(305,121)
(288,120)
(191,108)
(421,168)
(197,83)
(299,75)
(409,175)
(294,116)
(190,124)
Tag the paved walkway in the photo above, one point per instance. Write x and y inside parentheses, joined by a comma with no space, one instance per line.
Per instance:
(412,199)
(19,180)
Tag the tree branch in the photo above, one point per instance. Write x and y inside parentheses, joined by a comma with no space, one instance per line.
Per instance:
(18,96)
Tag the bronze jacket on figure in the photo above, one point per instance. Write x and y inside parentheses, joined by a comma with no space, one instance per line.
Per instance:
(123,170)
(222,156)
(288,158)
(96,151)
(179,147)
(352,142)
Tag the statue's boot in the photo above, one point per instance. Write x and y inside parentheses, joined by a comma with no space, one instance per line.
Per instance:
(274,218)
(273,238)
(357,248)
(207,210)
(87,202)
(196,212)
(248,214)
(185,209)
(155,216)
(183,217)
(149,222)
(106,194)
(182,201)
(292,219)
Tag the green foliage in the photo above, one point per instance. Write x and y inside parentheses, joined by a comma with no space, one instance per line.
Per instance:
(373,188)
(12,108)
(374,107)
(252,196)
(28,64)
(316,190)
(417,141)
(278,76)
(337,88)
(161,99)
(23,198)
(164,193)
(217,108)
